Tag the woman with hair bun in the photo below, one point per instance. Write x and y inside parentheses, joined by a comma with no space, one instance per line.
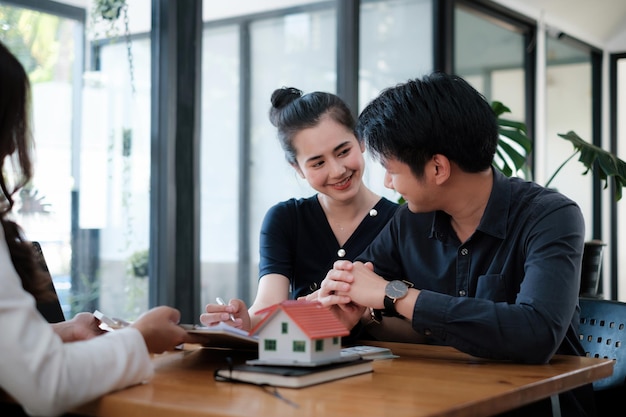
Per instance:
(302,238)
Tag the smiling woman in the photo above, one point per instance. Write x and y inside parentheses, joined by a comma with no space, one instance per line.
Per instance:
(302,237)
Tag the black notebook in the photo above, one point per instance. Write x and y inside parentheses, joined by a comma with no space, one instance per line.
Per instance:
(293,376)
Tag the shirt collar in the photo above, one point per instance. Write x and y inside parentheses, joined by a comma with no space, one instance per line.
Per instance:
(494,218)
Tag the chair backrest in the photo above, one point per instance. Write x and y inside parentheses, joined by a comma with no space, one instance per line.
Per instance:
(51,310)
(602,331)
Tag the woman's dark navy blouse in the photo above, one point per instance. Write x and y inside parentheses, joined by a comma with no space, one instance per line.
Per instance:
(297,241)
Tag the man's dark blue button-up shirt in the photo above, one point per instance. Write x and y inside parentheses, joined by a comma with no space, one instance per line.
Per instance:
(510,291)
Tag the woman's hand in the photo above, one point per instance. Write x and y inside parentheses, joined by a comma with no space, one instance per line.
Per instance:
(348,314)
(82,326)
(216,313)
(160,330)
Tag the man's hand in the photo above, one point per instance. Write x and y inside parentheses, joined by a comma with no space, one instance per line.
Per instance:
(353,282)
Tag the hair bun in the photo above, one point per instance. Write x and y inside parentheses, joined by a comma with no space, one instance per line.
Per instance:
(285,95)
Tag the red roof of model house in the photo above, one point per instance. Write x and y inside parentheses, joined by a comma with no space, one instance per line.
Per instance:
(315,321)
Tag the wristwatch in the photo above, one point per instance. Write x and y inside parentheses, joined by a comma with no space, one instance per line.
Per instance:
(394,291)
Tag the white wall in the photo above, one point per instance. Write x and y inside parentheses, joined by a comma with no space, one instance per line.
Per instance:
(618,42)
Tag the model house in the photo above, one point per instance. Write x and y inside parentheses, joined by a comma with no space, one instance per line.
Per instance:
(299,331)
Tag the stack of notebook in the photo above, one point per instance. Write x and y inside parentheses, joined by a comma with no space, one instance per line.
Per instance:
(293,376)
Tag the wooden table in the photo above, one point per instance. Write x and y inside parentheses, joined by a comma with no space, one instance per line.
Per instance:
(423,381)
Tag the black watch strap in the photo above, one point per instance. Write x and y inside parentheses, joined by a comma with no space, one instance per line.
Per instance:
(390,308)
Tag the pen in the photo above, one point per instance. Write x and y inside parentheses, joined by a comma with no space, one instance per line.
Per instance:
(222,303)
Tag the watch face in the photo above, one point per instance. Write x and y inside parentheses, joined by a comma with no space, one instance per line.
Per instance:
(396,289)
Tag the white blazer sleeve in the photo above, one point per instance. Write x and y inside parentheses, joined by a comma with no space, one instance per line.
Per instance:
(49,377)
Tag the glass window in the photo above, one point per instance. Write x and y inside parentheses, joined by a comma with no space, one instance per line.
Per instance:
(568,107)
(295,50)
(491,57)
(396,44)
(299,346)
(319,345)
(113,180)
(88,204)
(270,345)
(48,47)
(219,162)
(115,167)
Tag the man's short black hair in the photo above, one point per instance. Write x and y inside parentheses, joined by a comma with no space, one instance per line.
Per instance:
(437,114)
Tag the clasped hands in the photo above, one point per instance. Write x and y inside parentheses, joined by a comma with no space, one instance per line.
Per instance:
(348,289)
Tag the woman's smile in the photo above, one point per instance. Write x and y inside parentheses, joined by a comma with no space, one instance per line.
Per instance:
(343,184)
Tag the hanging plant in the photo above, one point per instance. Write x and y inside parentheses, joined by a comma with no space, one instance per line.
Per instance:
(108,9)
(108,13)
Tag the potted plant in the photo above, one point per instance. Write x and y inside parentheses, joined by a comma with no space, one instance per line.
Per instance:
(139,263)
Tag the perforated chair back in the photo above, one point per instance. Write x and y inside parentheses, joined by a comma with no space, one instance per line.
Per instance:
(602,331)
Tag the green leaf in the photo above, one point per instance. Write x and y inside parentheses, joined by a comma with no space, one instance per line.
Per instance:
(521,126)
(513,144)
(516,157)
(499,108)
(518,137)
(609,166)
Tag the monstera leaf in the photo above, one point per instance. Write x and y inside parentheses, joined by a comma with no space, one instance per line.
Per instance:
(609,166)
(513,145)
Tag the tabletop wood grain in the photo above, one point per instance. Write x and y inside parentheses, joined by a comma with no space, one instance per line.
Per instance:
(423,381)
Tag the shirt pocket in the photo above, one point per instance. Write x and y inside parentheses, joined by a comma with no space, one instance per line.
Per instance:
(491,287)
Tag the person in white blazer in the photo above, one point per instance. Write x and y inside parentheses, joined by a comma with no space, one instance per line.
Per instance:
(49,369)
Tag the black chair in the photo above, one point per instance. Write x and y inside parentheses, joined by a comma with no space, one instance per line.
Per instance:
(51,310)
(602,332)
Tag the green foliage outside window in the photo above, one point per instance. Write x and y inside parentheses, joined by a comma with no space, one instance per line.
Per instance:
(33,37)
